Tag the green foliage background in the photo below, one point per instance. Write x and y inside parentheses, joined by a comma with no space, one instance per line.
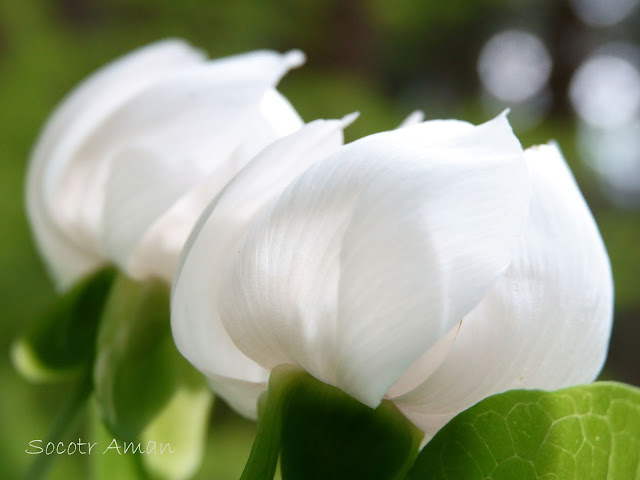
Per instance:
(382,58)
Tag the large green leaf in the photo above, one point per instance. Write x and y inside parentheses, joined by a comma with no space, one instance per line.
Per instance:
(581,433)
(61,342)
(146,392)
(323,433)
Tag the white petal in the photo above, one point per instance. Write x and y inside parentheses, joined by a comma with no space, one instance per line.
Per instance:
(70,256)
(414,117)
(172,137)
(281,115)
(144,186)
(546,322)
(197,329)
(376,252)
(425,365)
(240,395)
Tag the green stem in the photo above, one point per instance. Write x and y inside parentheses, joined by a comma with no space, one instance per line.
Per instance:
(263,458)
(65,420)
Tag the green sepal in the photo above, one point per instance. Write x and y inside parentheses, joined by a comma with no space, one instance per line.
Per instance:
(585,432)
(263,458)
(328,434)
(321,433)
(60,344)
(181,428)
(145,390)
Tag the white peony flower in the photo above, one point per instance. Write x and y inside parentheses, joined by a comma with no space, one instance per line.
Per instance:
(433,265)
(130,158)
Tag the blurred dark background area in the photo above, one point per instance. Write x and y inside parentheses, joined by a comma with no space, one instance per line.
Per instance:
(568,69)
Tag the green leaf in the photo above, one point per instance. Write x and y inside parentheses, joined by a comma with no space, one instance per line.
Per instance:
(60,344)
(324,433)
(146,392)
(585,432)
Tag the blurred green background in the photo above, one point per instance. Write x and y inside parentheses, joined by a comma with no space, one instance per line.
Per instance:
(382,58)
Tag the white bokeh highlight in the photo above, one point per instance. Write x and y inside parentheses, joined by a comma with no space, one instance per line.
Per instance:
(605,90)
(614,154)
(603,13)
(514,65)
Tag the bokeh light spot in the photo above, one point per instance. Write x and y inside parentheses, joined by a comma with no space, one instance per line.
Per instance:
(514,65)
(603,13)
(605,91)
